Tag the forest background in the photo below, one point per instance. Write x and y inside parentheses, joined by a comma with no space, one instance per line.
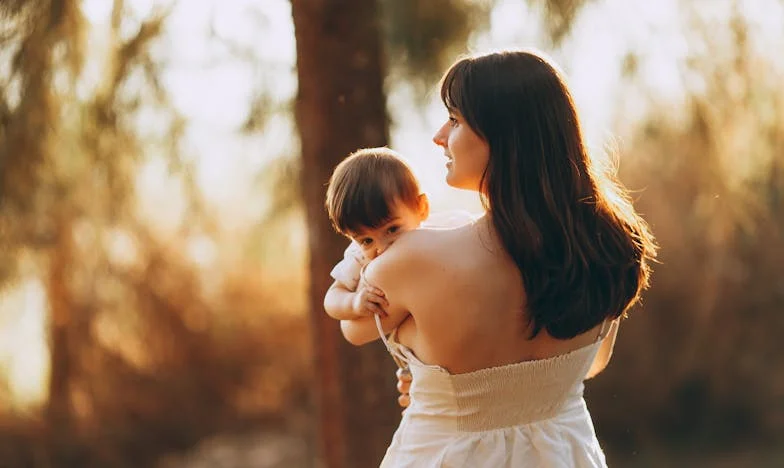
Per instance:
(164,248)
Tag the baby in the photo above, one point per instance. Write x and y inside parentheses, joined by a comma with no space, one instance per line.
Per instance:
(373,197)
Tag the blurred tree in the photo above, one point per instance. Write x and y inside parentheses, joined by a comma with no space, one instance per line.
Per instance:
(423,38)
(31,197)
(69,150)
(559,16)
(340,108)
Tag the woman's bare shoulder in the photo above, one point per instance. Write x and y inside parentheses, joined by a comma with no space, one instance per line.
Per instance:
(411,253)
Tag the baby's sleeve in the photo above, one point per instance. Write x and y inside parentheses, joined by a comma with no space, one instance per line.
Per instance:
(347,271)
(449,219)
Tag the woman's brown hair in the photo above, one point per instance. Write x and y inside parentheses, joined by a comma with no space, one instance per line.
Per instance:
(582,250)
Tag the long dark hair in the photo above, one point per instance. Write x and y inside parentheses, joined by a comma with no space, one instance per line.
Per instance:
(582,250)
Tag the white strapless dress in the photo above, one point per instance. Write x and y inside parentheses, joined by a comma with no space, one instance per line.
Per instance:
(528,414)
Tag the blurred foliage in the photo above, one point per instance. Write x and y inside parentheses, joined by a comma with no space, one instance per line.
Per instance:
(30,32)
(280,178)
(698,363)
(176,367)
(559,16)
(424,38)
(160,352)
(146,351)
(63,143)
(263,106)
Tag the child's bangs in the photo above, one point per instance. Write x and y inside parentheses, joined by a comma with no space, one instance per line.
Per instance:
(370,204)
(367,208)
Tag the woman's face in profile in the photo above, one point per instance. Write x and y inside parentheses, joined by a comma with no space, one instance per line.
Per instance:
(467,153)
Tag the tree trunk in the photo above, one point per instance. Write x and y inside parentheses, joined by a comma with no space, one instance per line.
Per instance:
(59,409)
(340,108)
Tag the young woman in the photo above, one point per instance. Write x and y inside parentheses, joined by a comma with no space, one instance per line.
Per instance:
(501,320)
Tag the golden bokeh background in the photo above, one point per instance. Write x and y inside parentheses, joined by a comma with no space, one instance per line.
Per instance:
(154,245)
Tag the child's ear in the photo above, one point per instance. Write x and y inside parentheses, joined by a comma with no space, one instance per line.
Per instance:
(424,206)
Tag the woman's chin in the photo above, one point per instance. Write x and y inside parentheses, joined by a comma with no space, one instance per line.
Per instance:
(450,179)
(457,183)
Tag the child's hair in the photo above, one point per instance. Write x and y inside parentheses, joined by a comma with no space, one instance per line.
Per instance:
(365,186)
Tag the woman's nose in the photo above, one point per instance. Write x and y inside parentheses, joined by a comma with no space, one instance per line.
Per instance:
(440,137)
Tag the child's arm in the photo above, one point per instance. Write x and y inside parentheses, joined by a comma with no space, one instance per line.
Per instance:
(392,273)
(359,331)
(364,330)
(340,303)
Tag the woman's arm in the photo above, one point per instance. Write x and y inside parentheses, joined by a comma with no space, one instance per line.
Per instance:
(605,351)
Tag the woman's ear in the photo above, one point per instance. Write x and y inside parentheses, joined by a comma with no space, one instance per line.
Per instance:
(424,206)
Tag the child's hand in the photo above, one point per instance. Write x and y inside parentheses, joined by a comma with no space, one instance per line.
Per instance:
(369,300)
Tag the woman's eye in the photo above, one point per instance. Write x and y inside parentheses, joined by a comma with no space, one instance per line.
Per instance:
(452,121)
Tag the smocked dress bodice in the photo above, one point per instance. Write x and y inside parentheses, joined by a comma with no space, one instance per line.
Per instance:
(527,414)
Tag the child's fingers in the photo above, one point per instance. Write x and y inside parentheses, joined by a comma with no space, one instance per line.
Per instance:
(380,300)
(377,309)
(372,308)
(370,287)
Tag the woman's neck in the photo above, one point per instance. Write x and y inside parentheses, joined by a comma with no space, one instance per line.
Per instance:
(483,226)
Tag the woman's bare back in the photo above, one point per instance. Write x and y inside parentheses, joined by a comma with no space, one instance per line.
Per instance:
(465,298)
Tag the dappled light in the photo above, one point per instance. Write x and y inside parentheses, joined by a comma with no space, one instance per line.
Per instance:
(164,243)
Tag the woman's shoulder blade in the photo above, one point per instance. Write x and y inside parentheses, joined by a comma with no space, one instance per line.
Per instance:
(412,251)
(412,245)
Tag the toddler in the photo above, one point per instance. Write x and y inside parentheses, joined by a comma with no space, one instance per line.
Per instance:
(373,197)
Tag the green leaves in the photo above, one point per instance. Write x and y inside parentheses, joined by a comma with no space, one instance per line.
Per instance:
(425,37)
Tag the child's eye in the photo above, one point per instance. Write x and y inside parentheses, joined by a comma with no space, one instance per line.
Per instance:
(366,241)
(393,229)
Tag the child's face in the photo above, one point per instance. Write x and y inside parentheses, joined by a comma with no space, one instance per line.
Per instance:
(403,219)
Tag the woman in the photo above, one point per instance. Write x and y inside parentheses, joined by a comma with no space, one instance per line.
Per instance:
(502,319)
